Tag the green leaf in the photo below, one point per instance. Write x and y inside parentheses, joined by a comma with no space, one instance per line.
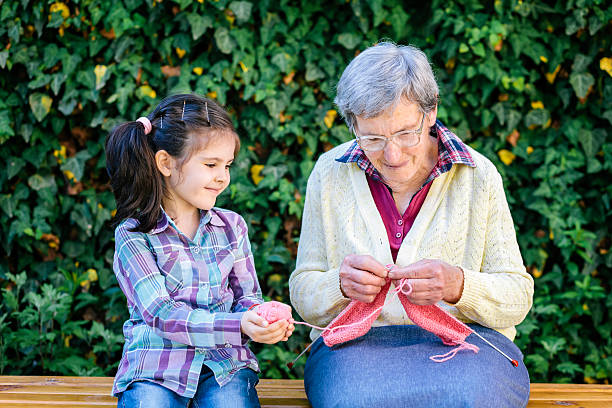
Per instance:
(581,83)
(3,58)
(224,41)
(38,182)
(349,40)
(14,166)
(281,60)
(199,24)
(591,141)
(313,72)
(6,127)
(242,10)
(40,105)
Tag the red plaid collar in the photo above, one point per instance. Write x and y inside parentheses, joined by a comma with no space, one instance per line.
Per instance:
(451,150)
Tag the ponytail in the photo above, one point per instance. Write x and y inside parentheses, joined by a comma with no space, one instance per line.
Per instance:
(135,180)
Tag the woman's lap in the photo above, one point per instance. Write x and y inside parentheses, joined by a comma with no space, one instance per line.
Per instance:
(390,366)
(240,392)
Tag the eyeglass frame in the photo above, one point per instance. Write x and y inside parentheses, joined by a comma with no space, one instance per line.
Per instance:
(389,138)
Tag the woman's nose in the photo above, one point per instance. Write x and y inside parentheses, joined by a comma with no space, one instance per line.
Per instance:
(392,152)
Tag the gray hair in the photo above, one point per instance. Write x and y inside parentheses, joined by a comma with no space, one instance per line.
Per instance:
(378,79)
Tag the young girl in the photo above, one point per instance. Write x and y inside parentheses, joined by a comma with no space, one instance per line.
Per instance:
(185,267)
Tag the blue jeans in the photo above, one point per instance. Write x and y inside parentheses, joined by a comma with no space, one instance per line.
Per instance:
(240,392)
(390,367)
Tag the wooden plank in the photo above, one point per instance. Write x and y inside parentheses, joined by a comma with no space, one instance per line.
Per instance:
(82,392)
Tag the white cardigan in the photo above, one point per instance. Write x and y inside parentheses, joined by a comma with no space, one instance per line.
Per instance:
(464,221)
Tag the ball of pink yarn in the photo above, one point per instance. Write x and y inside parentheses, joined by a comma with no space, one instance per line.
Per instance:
(274,311)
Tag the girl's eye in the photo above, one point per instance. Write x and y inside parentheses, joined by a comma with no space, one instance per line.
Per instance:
(210,165)
(228,166)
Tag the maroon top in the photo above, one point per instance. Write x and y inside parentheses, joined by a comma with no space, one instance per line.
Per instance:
(397,225)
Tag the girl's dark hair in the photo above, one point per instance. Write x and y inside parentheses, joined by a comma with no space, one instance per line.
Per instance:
(130,154)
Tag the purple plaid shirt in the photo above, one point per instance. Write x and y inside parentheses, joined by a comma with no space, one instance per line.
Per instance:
(185,298)
(451,150)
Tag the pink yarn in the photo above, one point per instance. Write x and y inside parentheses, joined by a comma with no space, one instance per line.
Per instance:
(274,311)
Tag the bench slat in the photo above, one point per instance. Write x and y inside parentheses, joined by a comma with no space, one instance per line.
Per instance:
(83,392)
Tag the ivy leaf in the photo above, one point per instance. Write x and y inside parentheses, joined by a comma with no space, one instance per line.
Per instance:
(6,129)
(349,40)
(14,166)
(313,72)
(242,10)
(581,83)
(281,60)
(38,182)
(3,58)
(224,41)
(591,141)
(199,24)
(40,105)
(537,117)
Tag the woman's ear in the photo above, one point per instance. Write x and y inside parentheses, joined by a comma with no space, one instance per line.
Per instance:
(165,162)
(431,116)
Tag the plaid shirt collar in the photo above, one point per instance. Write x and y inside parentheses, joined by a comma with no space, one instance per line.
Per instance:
(205,217)
(451,150)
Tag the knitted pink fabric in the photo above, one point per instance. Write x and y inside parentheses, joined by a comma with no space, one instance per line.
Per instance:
(431,318)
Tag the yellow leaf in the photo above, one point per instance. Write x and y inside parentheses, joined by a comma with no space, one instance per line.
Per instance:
(86,284)
(113,213)
(244,67)
(61,30)
(551,77)
(543,59)
(200,1)
(212,95)
(256,173)
(60,7)
(590,380)
(536,272)
(67,341)
(551,235)
(506,156)
(537,105)
(300,139)
(198,70)
(100,71)
(585,307)
(606,65)
(70,175)
(330,116)
(230,18)
(275,278)
(180,52)
(529,149)
(148,91)
(92,275)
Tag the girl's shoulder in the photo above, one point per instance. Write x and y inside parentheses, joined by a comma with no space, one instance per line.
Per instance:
(221,217)
(125,230)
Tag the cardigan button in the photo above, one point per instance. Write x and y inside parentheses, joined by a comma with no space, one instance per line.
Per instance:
(400,222)
(398,235)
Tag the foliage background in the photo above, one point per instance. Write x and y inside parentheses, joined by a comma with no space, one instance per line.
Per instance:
(527,83)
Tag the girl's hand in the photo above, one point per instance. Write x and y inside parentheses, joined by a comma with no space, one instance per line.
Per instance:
(289,331)
(259,330)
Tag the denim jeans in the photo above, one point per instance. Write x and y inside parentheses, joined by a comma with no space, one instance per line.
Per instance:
(390,367)
(240,392)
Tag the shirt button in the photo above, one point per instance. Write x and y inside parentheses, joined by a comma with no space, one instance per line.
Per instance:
(227,345)
(400,222)
(398,235)
(201,351)
(196,250)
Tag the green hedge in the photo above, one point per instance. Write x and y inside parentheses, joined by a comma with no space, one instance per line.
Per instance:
(527,83)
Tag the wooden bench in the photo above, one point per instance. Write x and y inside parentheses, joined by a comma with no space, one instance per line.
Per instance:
(82,392)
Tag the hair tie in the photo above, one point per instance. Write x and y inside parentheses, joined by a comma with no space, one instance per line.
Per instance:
(146,123)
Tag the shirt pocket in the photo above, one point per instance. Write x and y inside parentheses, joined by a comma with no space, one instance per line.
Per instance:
(173,266)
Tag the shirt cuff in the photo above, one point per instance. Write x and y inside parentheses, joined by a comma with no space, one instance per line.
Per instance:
(473,292)
(332,286)
(226,329)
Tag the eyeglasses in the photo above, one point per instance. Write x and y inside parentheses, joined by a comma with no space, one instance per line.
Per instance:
(404,138)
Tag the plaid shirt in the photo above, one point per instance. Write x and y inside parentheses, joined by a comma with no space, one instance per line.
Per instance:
(451,150)
(185,298)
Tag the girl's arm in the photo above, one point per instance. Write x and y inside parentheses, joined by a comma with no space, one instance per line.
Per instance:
(144,286)
(243,278)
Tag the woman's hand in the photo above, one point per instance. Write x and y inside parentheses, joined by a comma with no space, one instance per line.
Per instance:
(259,330)
(432,280)
(361,277)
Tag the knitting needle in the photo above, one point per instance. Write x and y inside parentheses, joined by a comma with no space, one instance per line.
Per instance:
(514,362)
(290,365)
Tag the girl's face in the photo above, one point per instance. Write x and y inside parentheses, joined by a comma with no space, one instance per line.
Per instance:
(200,179)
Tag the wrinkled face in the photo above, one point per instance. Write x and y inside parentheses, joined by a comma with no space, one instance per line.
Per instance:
(204,175)
(395,163)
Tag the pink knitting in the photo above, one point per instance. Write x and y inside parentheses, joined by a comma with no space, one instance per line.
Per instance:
(357,318)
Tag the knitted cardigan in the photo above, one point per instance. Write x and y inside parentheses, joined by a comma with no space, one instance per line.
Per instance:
(464,221)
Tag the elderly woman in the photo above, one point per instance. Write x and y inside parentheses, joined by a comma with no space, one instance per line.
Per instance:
(408,193)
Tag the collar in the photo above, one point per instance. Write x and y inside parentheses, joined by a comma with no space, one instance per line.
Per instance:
(211,216)
(451,150)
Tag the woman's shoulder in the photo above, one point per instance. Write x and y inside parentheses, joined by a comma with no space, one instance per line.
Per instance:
(483,169)
(328,160)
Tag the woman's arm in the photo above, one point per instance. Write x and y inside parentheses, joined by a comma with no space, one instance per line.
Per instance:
(501,293)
